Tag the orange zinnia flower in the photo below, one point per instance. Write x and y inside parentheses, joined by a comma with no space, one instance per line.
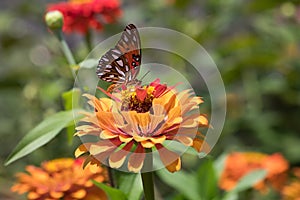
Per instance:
(292,190)
(239,164)
(140,119)
(81,15)
(60,179)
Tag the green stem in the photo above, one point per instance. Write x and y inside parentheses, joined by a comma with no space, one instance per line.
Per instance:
(66,50)
(111,177)
(147,177)
(88,40)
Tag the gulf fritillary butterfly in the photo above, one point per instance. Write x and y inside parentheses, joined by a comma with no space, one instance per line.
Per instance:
(121,64)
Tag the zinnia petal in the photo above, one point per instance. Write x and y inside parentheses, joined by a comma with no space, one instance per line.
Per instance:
(136,160)
(201,145)
(141,94)
(170,159)
(105,134)
(80,150)
(116,159)
(187,141)
(33,195)
(79,194)
(56,195)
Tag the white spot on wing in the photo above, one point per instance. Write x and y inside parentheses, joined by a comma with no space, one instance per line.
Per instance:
(105,59)
(120,71)
(115,56)
(116,51)
(120,62)
(129,77)
(125,38)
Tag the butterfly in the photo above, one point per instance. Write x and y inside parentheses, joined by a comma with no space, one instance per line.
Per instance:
(121,64)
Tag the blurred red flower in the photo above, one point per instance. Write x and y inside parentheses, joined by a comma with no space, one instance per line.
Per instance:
(62,178)
(239,164)
(81,15)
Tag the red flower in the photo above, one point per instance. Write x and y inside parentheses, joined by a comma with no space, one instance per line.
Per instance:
(80,15)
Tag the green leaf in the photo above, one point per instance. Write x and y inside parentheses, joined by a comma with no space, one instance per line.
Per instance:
(183,182)
(207,180)
(131,185)
(249,180)
(231,196)
(180,148)
(71,101)
(70,133)
(219,164)
(71,98)
(42,134)
(89,63)
(112,193)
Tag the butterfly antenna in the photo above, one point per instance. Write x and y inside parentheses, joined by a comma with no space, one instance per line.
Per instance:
(145,75)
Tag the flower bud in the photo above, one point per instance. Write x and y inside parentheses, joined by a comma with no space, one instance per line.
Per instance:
(54,19)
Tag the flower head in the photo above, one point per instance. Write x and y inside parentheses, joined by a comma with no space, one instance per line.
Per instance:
(81,15)
(292,190)
(239,164)
(54,19)
(138,119)
(60,179)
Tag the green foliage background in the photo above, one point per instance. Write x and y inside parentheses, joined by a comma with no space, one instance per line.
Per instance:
(255,45)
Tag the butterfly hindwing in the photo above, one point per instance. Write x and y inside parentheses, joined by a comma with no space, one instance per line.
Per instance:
(122,63)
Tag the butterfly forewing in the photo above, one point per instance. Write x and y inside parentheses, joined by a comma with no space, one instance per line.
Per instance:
(121,64)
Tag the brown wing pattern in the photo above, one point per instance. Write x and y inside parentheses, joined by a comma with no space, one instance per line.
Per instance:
(122,63)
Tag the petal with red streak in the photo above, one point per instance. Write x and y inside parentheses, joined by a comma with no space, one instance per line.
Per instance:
(136,159)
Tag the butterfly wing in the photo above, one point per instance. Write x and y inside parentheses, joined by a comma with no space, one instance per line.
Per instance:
(122,63)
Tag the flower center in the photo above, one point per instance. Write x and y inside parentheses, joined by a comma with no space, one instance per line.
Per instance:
(137,99)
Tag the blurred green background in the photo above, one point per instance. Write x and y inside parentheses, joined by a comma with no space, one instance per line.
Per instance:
(255,44)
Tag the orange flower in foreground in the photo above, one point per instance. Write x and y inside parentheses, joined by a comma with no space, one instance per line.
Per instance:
(139,119)
(292,190)
(60,179)
(239,164)
(81,15)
